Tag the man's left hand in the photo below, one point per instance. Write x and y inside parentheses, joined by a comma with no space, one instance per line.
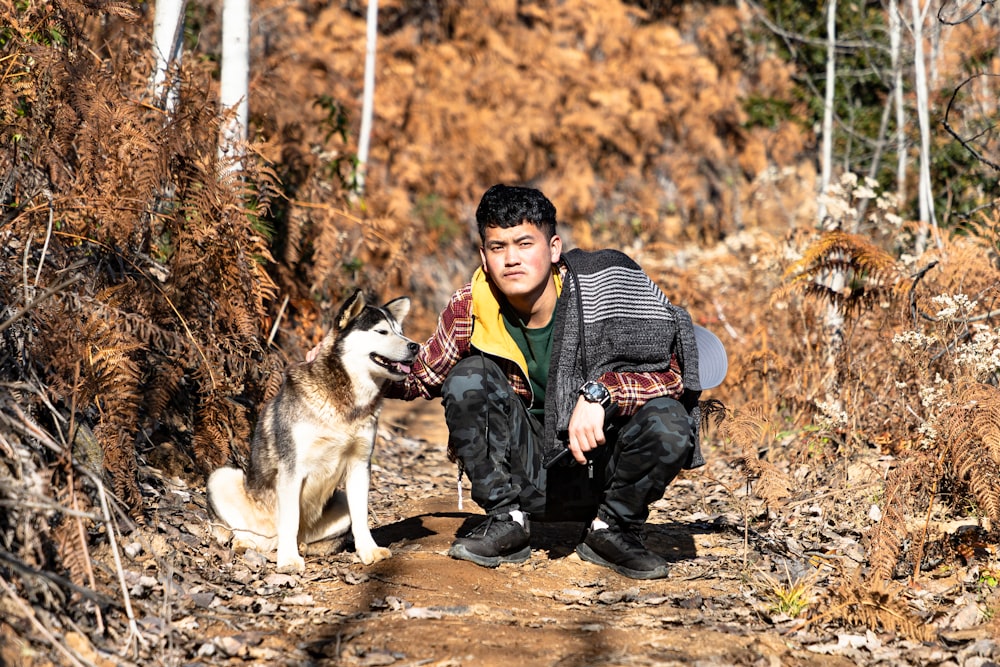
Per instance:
(586,429)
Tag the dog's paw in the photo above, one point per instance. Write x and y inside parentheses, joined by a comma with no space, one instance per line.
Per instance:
(373,555)
(291,565)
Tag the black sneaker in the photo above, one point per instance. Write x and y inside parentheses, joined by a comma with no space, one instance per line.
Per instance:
(623,552)
(497,540)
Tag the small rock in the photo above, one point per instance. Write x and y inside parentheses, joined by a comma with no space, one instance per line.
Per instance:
(301,600)
(241,575)
(203,600)
(255,560)
(693,602)
(231,646)
(278,580)
(968,616)
(355,579)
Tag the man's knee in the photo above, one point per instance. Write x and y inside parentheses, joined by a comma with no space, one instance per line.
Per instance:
(467,379)
(664,426)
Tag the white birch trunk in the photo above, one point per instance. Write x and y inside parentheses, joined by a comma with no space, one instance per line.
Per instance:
(895,39)
(826,156)
(368,103)
(926,198)
(234,82)
(168,43)
(834,320)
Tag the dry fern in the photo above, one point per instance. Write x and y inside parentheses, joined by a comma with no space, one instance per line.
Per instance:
(886,537)
(878,605)
(748,428)
(137,277)
(844,270)
(968,437)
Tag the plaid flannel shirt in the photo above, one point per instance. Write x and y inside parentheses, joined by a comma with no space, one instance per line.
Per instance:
(452,342)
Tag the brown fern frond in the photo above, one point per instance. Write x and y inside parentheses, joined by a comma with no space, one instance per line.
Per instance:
(986,421)
(72,555)
(120,8)
(969,432)
(748,429)
(713,410)
(763,363)
(885,539)
(878,605)
(844,270)
(222,430)
(772,486)
(165,381)
(984,484)
(273,378)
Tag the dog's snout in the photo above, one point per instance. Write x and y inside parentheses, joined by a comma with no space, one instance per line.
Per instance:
(413,347)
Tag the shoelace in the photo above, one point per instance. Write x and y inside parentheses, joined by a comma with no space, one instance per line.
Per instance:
(484,528)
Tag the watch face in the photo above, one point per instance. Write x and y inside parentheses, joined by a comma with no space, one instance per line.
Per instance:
(594,392)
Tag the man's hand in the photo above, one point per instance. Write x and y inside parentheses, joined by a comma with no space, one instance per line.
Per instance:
(586,429)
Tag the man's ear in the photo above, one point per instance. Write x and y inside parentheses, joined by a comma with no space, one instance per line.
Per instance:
(482,258)
(555,248)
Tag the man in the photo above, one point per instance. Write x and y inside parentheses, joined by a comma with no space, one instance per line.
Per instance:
(545,351)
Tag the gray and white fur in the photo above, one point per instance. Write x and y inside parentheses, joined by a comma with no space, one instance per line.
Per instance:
(310,458)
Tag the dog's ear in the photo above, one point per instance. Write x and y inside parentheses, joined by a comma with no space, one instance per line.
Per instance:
(351,309)
(399,308)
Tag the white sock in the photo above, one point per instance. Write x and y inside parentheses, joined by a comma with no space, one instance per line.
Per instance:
(517,515)
(597,524)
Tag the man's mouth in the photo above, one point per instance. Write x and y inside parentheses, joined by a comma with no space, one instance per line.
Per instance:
(394,367)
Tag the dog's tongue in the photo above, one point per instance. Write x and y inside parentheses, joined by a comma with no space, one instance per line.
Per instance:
(402,368)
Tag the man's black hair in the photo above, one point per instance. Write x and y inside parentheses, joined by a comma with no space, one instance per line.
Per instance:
(509,206)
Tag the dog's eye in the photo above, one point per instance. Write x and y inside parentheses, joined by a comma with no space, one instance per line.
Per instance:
(384,332)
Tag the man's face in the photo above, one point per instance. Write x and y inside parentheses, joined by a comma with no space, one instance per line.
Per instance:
(519,259)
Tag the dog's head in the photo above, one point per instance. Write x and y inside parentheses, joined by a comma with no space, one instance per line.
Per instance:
(370,338)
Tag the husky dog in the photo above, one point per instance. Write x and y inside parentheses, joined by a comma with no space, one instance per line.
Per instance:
(314,435)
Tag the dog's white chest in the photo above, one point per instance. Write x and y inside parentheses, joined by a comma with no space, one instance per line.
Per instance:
(320,447)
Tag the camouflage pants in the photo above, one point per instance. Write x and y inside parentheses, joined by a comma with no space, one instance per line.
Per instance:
(501,446)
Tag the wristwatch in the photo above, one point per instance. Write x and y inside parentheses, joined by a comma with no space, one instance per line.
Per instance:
(595,392)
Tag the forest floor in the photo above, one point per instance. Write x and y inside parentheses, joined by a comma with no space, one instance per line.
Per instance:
(197,602)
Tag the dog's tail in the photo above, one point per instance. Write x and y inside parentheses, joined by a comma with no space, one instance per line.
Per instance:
(252,521)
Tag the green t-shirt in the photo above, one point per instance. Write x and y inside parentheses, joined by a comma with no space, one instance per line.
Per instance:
(536,345)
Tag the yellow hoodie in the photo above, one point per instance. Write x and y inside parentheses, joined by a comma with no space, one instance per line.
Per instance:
(490,334)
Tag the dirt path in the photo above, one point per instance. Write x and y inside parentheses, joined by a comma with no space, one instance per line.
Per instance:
(199,603)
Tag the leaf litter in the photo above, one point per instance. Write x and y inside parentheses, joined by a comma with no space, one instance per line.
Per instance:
(748,586)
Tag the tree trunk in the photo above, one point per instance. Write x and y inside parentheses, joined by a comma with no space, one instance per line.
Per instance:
(234,82)
(368,103)
(923,120)
(895,30)
(168,43)
(826,167)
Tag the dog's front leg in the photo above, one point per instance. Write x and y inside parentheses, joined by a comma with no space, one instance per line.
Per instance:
(289,488)
(356,485)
